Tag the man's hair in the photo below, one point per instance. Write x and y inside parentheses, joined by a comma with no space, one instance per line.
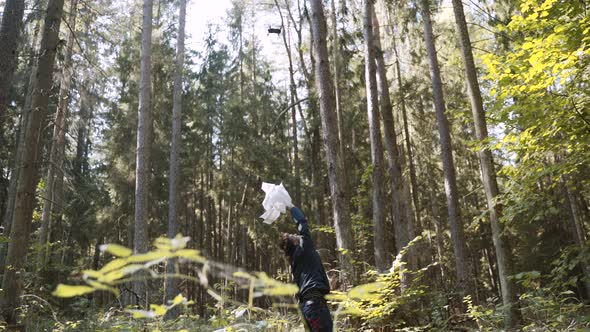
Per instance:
(287,243)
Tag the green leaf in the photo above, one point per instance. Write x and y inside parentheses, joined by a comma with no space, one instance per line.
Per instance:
(191,254)
(138,314)
(71,291)
(132,268)
(92,274)
(99,286)
(150,256)
(113,265)
(116,250)
(274,287)
(527,45)
(178,299)
(159,310)
(367,291)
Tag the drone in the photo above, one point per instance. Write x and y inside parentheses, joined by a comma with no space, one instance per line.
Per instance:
(274,30)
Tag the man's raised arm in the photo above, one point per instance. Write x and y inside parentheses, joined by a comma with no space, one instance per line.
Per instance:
(302,227)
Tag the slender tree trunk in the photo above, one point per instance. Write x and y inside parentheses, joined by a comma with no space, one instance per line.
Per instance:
(55,172)
(402,217)
(407,139)
(142,170)
(577,229)
(336,174)
(503,255)
(84,114)
(25,196)
(10,31)
(173,194)
(12,185)
(375,138)
(336,64)
(317,179)
(294,98)
(456,224)
(491,271)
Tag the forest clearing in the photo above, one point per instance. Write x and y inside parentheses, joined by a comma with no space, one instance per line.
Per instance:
(295,165)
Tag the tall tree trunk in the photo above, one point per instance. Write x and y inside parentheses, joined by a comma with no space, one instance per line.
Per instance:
(336,174)
(294,98)
(12,185)
(10,31)
(576,219)
(503,255)
(173,194)
(407,139)
(12,282)
(317,178)
(84,116)
(336,64)
(375,138)
(142,168)
(54,179)
(401,218)
(456,224)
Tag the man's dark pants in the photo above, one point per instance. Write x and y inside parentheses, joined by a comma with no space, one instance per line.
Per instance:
(317,315)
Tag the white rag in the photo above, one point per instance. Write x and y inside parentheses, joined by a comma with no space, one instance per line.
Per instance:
(276,201)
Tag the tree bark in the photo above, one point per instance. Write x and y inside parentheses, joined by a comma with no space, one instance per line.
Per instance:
(503,255)
(10,31)
(336,174)
(174,194)
(576,219)
(142,168)
(9,208)
(294,98)
(454,211)
(25,196)
(375,138)
(407,140)
(336,64)
(402,211)
(54,179)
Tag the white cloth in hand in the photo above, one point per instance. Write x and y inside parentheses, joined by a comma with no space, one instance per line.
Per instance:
(276,201)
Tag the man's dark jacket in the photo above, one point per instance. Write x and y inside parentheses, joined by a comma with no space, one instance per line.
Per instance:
(306,266)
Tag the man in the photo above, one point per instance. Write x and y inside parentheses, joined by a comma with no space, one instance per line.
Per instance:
(308,274)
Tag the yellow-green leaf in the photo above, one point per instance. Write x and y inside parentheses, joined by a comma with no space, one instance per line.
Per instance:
(113,265)
(99,286)
(150,256)
(92,274)
(527,45)
(116,250)
(159,310)
(113,275)
(178,299)
(71,291)
(190,254)
(367,291)
(141,313)
(336,297)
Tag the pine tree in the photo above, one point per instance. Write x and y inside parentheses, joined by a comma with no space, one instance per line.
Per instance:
(464,277)
(10,31)
(503,255)
(335,164)
(28,175)
(375,138)
(144,126)
(55,173)
(173,194)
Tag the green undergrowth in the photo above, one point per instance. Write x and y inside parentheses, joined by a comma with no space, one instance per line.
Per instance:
(399,300)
